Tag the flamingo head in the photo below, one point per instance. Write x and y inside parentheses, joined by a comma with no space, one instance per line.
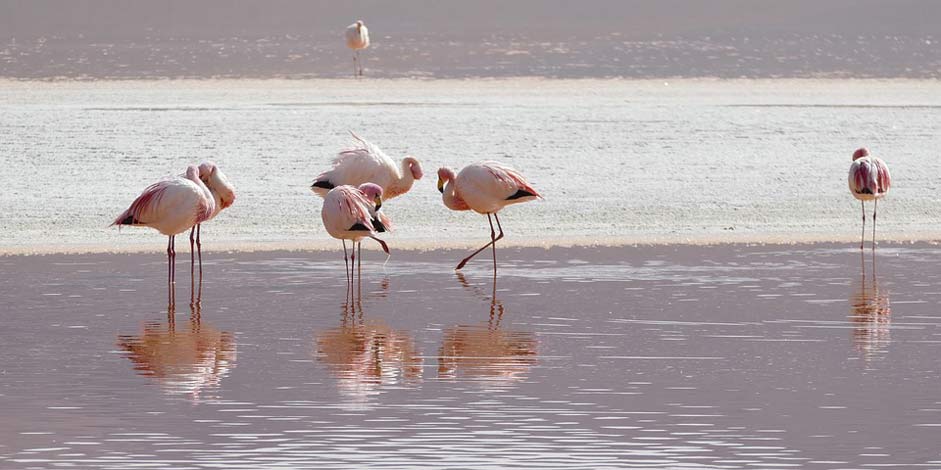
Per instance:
(861,152)
(444,175)
(414,166)
(217,182)
(359,24)
(373,192)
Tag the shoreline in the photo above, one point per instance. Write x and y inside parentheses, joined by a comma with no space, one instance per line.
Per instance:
(421,246)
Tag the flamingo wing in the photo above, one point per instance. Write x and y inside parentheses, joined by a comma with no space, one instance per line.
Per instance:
(366,163)
(346,209)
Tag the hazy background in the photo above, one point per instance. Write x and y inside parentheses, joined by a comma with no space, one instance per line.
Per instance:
(442,38)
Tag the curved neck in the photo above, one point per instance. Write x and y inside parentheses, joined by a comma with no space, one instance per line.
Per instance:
(451,199)
(403,183)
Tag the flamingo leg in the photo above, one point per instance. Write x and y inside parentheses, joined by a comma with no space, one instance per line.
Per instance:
(346,263)
(493,239)
(173,259)
(862,238)
(359,267)
(199,248)
(192,250)
(875,205)
(355,67)
(359,60)
(169,264)
(353,263)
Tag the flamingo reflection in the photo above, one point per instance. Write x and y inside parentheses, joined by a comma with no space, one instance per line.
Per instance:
(188,361)
(364,354)
(486,351)
(870,313)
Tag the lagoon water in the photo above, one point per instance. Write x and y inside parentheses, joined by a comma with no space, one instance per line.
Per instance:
(669,357)
(618,161)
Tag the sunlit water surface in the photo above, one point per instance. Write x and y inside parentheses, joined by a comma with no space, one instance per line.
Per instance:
(730,357)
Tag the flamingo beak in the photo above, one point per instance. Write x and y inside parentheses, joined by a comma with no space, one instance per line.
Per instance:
(378,202)
(440,185)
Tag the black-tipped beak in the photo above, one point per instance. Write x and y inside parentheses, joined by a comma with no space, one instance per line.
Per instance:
(378,203)
(440,186)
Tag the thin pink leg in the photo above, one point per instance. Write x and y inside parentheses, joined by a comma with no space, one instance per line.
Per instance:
(199,248)
(493,239)
(346,263)
(875,205)
(862,238)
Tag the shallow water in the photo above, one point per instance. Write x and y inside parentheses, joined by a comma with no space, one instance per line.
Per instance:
(616,160)
(667,357)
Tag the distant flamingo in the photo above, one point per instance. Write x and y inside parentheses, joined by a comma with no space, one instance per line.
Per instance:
(869,180)
(223,194)
(350,213)
(357,38)
(369,164)
(485,188)
(171,207)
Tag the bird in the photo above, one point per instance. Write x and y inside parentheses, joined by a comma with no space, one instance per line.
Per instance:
(367,163)
(869,180)
(351,213)
(485,188)
(223,194)
(171,206)
(357,38)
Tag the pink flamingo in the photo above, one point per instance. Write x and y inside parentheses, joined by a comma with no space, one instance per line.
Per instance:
(351,213)
(223,194)
(369,164)
(869,180)
(485,188)
(357,38)
(171,207)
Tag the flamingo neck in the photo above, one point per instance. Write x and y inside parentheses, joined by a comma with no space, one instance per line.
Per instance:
(451,199)
(403,183)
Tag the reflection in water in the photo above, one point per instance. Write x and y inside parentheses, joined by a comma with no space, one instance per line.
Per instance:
(486,351)
(363,354)
(188,360)
(871,314)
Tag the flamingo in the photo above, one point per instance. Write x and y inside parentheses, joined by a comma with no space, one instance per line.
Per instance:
(485,188)
(357,38)
(369,164)
(223,194)
(351,213)
(869,180)
(171,207)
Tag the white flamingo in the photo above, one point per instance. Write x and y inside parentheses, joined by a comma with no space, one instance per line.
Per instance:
(369,164)
(357,38)
(171,206)
(485,188)
(351,213)
(223,194)
(869,180)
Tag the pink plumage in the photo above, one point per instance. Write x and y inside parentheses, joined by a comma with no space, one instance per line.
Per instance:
(485,188)
(350,213)
(171,207)
(869,180)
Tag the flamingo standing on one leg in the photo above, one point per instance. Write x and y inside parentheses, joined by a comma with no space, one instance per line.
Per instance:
(485,188)
(369,164)
(171,207)
(350,213)
(869,180)
(357,38)
(223,195)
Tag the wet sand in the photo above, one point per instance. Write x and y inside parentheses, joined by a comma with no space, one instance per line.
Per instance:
(732,356)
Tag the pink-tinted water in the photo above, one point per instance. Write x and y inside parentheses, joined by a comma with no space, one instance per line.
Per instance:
(665,357)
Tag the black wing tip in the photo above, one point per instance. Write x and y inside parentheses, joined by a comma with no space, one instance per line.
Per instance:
(380,227)
(129,220)
(358,227)
(322,184)
(520,194)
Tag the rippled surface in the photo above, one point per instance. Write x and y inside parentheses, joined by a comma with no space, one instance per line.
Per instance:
(669,357)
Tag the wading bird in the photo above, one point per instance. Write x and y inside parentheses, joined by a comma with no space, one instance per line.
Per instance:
(485,188)
(369,164)
(171,207)
(223,194)
(357,38)
(351,213)
(869,180)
